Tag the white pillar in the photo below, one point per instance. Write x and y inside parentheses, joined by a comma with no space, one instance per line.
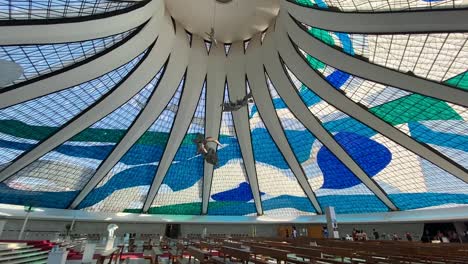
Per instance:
(72,224)
(20,236)
(332,224)
(2,225)
(254,231)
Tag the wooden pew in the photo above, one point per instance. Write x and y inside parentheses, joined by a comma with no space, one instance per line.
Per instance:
(176,253)
(369,252)
(240,254)
(316,253)
(273,253)
(400,251)
(153,254)
(232,244)
(209,246)
(108,254)
(201,255)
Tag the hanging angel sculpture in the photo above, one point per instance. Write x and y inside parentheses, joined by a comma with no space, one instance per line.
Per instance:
(211,36)
(208,153)
(234,106)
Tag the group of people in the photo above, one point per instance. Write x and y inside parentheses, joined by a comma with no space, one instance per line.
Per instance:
(449,236)
(294,233)
(361,235)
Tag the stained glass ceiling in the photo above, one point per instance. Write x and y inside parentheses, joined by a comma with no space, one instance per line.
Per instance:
(104,131)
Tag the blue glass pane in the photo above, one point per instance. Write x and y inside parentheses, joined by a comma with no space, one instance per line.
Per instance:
(51,180)
(319,163)
(382,5)
(282,194)
(181,189)
(230,188)
(400,173)
(434,122)
(126,185)
(434,56)
(23,125)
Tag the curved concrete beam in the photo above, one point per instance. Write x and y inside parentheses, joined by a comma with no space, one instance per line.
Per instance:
(196,72)
(366,70)
(289,94)
(92,114)
(143,74)
(94,68)
(323,89)
(256,77)
(79,31)
(422,21)
(168,84)
(237,89)
(215,82)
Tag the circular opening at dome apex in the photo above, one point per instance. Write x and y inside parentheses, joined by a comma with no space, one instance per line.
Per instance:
(230,20)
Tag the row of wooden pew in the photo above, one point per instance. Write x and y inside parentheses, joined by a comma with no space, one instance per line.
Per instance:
(306,250)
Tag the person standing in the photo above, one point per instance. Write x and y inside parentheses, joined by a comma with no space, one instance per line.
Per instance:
(294,232)
(409,237)
(325,232)
(376,234)
(364,235)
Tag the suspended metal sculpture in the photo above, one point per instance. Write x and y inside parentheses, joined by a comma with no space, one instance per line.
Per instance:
(211,36)
(9,72)
(208,153)
(234,106)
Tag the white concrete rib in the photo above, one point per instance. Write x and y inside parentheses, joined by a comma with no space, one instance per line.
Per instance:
(421,21)
(79,31)
(322,88)
(256,77)
(168,84)
(92,69)
(196,73)
(216,79)
(237,90)
(366,70)
(290,96)
(123,93)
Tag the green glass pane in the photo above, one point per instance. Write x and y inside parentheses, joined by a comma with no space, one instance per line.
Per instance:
(305,2)
(460,81)
(99,135)
(322,35)
(22,130)
(153,138)
(414,107)
(177,209)
(314,63)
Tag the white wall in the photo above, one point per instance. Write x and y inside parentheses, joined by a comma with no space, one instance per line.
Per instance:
(43,230)
(267,230)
